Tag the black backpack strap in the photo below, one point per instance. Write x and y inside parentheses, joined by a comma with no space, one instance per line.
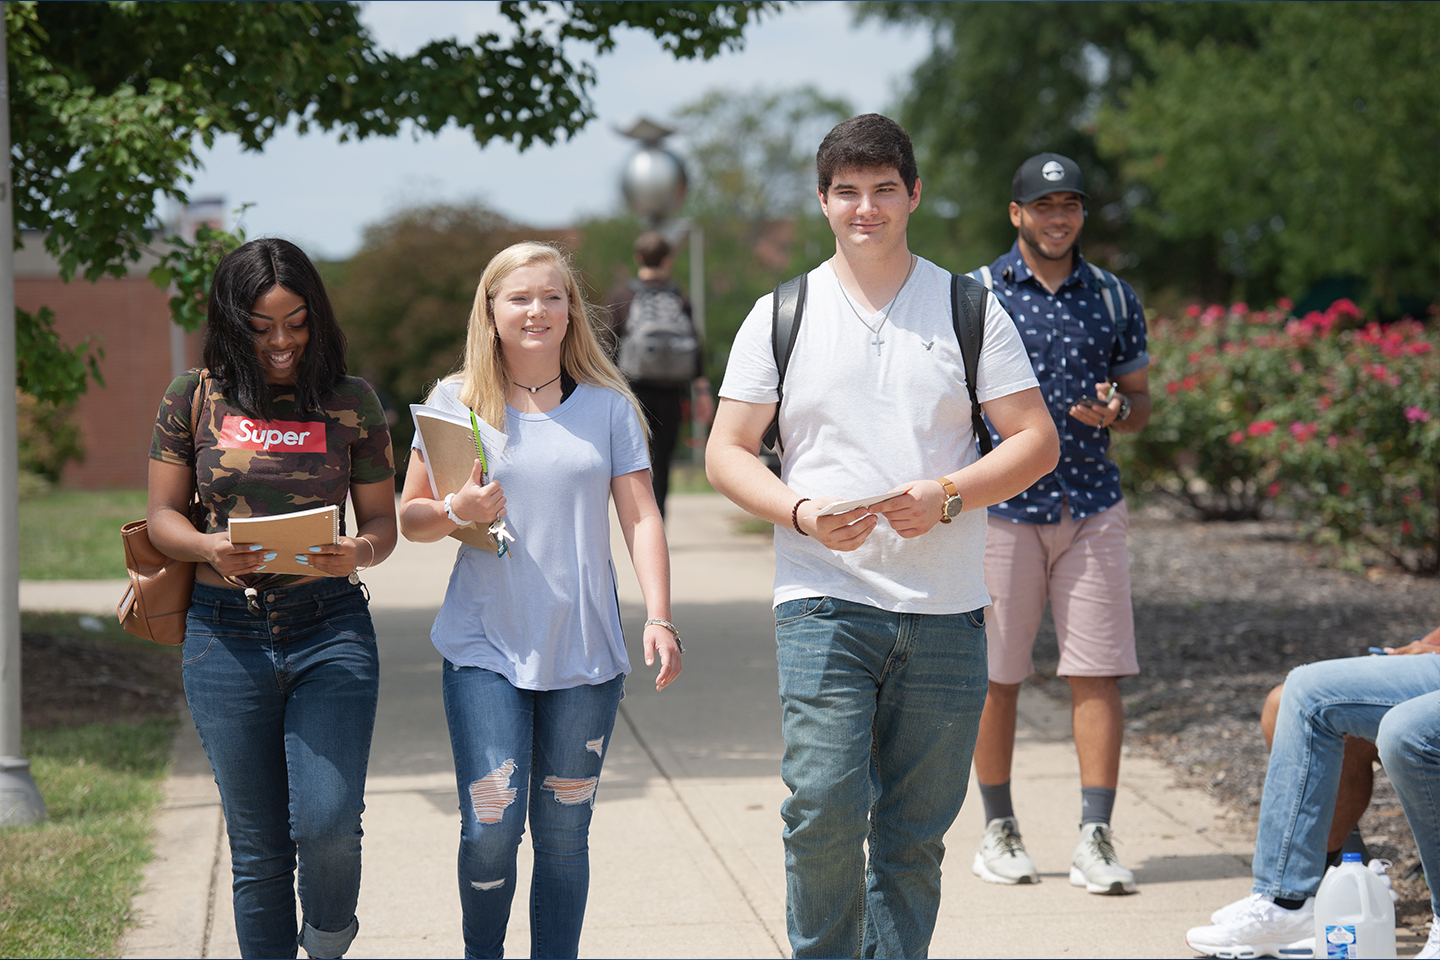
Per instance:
(967,313)
(787,308)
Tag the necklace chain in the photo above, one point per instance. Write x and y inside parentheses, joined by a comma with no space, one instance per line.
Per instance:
(886,309)
(543,385)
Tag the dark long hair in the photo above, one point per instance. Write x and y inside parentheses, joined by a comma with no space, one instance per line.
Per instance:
(242,278)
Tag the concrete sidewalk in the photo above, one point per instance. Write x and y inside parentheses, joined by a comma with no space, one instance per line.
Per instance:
(686,858)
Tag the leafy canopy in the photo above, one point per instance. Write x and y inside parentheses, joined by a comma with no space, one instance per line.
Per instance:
(110,102)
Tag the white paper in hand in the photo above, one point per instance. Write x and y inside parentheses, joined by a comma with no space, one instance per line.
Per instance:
(845,506)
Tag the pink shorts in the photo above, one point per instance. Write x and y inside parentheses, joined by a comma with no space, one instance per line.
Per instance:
(1082,569)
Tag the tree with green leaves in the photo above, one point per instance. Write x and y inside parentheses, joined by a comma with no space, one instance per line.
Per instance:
(1231,149)
(111,102)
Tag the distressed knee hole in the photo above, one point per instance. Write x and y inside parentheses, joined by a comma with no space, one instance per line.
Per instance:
(596,746)
(492,793)
(488,884)
(572,792)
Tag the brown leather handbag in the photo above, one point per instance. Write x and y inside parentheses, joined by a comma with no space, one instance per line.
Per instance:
(158,598)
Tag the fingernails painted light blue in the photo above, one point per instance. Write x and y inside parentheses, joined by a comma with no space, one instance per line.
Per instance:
(259,568)
(301,560)
(314,549)
(256,546)
(270,556)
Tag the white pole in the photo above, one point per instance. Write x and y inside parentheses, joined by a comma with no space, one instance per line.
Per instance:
(20,801)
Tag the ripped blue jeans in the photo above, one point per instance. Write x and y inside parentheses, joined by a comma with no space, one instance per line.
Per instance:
(517,752)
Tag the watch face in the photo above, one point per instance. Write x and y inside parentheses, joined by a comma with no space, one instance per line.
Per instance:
(952,507)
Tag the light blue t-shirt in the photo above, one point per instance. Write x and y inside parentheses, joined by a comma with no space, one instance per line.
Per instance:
(547,616)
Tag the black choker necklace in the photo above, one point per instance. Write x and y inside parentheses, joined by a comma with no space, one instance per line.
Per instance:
(543,385)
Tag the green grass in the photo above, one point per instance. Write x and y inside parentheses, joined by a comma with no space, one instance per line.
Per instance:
(75,535)
(66,884)
(689,478)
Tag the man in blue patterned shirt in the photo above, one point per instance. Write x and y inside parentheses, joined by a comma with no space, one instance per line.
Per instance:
(1062,540)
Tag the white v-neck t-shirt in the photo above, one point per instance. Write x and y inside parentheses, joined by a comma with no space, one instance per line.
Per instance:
(859,418)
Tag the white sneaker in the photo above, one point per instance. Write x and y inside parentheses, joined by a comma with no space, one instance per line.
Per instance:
(1002,857)
(1255,927)
(1431,950)
(1378,867)
(1094,865)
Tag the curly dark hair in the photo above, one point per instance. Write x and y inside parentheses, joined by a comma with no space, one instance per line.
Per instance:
(864,143)
(241,279)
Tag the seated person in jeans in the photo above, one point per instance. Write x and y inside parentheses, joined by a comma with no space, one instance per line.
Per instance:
(1391,702)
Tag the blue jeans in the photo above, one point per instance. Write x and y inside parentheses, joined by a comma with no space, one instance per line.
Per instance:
(881,711)
(285,705)
(516,751)
(1393,702)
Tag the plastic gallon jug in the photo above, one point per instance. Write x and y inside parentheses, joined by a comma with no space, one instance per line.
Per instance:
(1354,916)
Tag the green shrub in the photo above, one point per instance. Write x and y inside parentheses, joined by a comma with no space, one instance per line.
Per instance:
(1335,420)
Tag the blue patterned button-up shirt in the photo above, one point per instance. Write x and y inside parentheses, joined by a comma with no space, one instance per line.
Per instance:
(1073,345)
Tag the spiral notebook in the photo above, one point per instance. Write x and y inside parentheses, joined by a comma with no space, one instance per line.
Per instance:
(448,442)
(287,534)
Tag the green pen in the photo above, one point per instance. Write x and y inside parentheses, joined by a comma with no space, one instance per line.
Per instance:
(501,548)
(479,450)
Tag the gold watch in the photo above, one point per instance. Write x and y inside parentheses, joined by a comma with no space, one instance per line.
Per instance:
(952,506)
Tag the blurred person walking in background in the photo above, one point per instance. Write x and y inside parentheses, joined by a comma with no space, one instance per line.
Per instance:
(658,349)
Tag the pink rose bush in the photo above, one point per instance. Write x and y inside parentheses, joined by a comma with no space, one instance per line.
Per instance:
(1334,418)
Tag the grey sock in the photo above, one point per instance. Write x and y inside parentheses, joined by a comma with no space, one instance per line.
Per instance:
(996,800)
(1096,805)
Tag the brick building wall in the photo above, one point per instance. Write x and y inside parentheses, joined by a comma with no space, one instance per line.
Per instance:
(130,317)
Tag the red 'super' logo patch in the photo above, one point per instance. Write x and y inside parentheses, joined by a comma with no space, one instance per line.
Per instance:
(280,436)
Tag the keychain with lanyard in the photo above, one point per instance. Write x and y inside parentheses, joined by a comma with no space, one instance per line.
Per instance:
(497,530)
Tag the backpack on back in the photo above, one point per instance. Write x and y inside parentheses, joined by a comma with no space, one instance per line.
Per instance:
(967,316)
(659,346)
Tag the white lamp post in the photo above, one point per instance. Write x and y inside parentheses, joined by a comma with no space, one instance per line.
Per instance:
(20,801)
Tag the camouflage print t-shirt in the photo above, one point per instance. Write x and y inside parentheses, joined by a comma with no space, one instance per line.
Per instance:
(246,467)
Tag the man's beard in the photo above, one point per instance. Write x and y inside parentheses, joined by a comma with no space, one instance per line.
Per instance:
(1031,236)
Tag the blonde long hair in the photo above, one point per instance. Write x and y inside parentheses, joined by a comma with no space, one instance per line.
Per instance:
(484,377)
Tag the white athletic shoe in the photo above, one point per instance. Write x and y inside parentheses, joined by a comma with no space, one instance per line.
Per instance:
(1379,868)
(1002,857)
(1431,950)
(1255,927)
(1094,865)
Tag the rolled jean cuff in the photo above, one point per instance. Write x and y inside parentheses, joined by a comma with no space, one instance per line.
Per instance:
(325,943)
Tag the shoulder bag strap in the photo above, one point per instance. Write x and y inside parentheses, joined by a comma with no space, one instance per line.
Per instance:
(787,309)
(967,314)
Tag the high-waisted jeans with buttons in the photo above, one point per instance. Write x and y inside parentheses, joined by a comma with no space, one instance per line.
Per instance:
(284,701)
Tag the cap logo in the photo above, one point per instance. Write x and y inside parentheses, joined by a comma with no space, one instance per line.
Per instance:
(1052,171)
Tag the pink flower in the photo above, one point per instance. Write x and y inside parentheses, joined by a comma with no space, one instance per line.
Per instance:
(1189,383)
(1417,415)
(1405,527)
(1303,431)
(1212,313)
(1192,311)
(1272,491)
(1344,489)
(1285,304)
(1261,428)
(1332,441)
(1240,308)
(1237,438)
(1343,308)
(1172,388)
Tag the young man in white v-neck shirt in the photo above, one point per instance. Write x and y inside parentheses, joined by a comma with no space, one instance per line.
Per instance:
(879,611)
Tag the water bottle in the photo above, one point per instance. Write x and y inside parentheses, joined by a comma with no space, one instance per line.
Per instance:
(1354,916)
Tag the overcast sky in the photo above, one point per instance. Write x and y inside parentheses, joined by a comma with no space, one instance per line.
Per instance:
(321,193)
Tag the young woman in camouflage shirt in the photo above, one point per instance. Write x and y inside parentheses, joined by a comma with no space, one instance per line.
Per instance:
(535,662)
(282,677)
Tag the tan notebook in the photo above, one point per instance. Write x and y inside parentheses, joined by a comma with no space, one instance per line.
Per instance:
(448,443)
(288,534)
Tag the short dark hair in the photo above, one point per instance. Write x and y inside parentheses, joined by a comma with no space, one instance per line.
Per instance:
(241,279)
(864,143)
(651,248)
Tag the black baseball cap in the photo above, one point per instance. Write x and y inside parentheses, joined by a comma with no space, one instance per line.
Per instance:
(1047,173)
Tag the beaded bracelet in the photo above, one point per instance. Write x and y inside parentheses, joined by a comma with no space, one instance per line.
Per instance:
(795,516)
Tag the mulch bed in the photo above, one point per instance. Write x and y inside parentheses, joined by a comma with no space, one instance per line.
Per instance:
(70,681)
(1222,612)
